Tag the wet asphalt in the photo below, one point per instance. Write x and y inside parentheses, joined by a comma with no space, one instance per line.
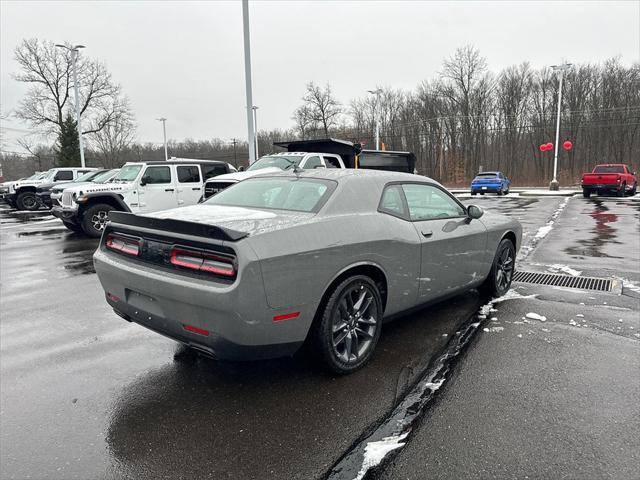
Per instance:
(84,394)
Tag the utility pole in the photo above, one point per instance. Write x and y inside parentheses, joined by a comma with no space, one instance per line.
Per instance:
(555,185)
(74,59)
(235,156)
(247,77)
(164,133)
(377,93)
(255,126)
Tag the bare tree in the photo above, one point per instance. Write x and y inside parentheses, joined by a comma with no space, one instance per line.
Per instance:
(115,138)
(322,107)
(48,71)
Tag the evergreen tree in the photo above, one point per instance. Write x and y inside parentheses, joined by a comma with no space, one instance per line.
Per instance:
(68,145)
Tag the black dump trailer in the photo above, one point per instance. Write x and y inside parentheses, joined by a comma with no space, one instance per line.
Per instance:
(354,156)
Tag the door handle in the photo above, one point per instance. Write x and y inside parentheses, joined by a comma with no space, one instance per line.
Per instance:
(427,233)
(168,189)
(195,188)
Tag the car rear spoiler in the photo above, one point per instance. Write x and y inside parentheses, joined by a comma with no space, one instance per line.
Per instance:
(176,226)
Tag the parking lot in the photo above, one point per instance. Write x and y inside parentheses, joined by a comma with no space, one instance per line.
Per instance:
(85,394)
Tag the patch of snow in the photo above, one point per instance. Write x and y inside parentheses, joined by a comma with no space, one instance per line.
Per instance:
(572,322)
(579,315)
(493,329)
(544,230)
(519,335)
(557,267)
(535,316)
(636,335)
(620,320)
(629,285)
(375,452)
(545,329)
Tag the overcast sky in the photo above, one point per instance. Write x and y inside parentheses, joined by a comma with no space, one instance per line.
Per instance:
(184,60)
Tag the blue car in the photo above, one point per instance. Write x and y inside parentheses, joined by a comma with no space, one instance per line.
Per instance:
(494,182)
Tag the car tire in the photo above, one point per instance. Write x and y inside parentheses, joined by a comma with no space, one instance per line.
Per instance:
(500,193)
(481,193)
(27,201)
(341,323)
(633,190)
(474,193)
(506,192)
(586,193)
(499,279)
(622,190)
(95,218)
(74,227)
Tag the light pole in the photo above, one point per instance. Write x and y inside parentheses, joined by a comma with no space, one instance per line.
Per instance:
(377,93)
(247,78)
(74,57)
(164,133)
(555,185)
(255,128)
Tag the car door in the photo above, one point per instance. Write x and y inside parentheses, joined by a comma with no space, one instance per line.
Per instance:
(312,162)
(157,190)
(453,246)
(63,176)
(189,186)
(331,161)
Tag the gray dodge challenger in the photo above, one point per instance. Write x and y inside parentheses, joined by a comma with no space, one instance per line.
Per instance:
(319,256)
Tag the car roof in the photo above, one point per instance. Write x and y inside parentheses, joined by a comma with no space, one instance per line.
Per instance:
(342,173)
(177,162)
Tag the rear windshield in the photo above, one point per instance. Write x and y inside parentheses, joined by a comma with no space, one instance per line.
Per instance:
(487,175)
(300,195)
(609,169)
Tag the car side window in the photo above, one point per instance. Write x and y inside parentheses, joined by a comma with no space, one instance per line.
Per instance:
(210,171)
(392,201)
(63,175)
(154,175)
(331,161)
(188,174)
(427,202)
(312,162)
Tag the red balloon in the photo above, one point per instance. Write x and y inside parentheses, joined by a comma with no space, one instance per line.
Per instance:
(543,147)
(567,145)
(549,146)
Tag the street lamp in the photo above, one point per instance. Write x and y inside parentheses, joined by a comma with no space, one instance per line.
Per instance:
(377,93)
(554,185)
(74,57)
(164,133)
(255,128)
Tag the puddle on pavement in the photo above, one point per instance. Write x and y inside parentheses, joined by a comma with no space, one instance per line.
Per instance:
(604,233)
(77,257)
(43,233)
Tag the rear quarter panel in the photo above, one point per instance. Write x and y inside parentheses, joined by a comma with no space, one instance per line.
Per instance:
(299,263)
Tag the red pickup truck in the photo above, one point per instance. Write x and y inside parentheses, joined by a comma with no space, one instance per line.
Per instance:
(609,177)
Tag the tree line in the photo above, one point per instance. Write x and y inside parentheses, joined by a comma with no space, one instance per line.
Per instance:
(465,119)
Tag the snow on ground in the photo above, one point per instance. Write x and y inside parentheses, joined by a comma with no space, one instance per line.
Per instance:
(557,267)
(493,329)
(629,285)
(374,452)
(544,230)
(535,316)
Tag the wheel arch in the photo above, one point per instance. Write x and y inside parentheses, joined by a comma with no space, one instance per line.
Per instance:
(369,269)
(510,235)
(114,200)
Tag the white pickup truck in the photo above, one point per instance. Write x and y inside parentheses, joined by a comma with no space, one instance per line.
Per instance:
(139,187)
(275,162)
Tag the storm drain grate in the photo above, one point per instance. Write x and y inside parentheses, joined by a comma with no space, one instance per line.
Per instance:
(568,281)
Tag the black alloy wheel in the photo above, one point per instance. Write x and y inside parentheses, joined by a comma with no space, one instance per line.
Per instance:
(499,280)
(348,331)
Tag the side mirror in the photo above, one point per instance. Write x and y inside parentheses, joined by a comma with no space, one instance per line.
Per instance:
(241,168)
(143,181)
(474,212)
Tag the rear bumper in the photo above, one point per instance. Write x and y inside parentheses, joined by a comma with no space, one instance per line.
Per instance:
(600,186)
(236,317)
(492,187)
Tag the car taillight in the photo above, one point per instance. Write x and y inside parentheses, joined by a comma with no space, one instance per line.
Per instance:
(123,244)
(202,261)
